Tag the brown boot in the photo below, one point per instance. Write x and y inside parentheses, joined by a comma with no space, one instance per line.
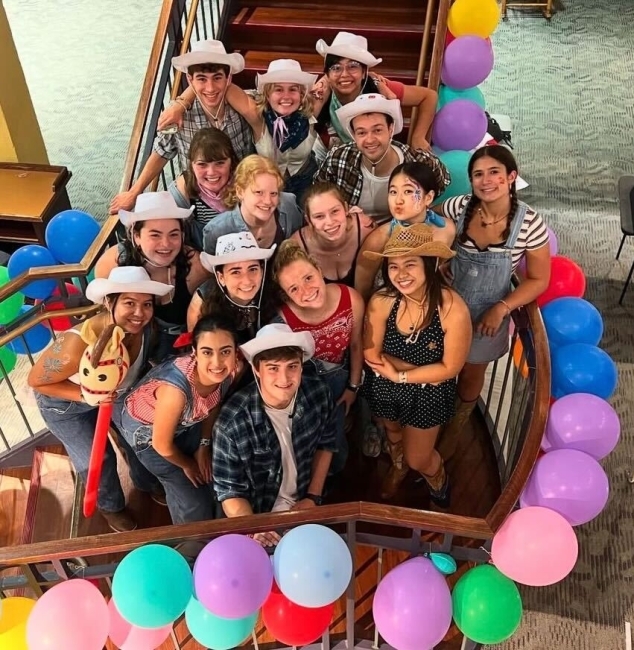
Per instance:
(453,432)
(397,472)
(439,488)
(119,522)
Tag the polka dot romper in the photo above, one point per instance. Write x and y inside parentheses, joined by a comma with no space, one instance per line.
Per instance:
(415,405)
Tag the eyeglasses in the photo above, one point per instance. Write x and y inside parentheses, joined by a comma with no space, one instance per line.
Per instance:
(353,67)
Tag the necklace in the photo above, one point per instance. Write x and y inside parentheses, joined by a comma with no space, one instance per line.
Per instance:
(374,165)
(486,224)
(414,327)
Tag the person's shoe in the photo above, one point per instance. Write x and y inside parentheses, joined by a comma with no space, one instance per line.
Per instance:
(372,441)
(439,488)
(397,472)
(119,522)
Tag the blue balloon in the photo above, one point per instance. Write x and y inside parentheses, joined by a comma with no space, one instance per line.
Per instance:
(446,95)
(572,320)
(456,163)
(29,257)
(214,632)
(69,235)
(152,586)
(312,565)
(582,368)
(34,340)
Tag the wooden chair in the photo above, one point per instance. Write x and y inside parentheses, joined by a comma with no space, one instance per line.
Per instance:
(625,188)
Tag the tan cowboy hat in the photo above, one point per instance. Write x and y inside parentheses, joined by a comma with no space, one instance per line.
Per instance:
(125,279)
(286,71)
(210,51)
(348,46)
(154,205)
(235,247)
(412,241)
(371,103)
(278,335)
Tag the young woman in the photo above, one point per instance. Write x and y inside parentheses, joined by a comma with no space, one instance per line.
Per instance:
(168,417)
(128,295)
(237,287)
(204,183)
(412,188)
(334,233)
(416,340)
(258,206)
(333,314)
(155,242)
(495,231)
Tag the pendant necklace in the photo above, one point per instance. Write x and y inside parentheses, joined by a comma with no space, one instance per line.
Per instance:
(414,327)
(486,224)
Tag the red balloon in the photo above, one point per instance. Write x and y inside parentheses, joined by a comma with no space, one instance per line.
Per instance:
(62,323)
(566,280)
(293,624)
(449,38)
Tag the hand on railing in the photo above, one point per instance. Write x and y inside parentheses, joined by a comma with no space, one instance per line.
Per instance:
(491,321)
(123,201)
(420,144)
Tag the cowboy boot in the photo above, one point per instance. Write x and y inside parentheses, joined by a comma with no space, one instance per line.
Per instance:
(452,433)
(439,488)
(397,472)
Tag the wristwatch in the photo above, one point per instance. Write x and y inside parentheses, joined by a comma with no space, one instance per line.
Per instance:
(315,498)
(355,387)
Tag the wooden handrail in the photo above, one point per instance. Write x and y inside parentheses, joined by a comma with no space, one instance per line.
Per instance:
(439,44)
(422,60)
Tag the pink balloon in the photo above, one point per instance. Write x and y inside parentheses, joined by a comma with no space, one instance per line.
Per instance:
(130,637)
(553,242)
(535,546)
(72,615)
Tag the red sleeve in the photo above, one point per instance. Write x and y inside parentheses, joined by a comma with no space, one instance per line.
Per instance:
(397,88)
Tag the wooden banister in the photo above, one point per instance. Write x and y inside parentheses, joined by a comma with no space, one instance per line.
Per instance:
(439,44)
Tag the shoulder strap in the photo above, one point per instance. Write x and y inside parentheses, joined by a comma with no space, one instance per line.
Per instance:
(291,319)
(518,222)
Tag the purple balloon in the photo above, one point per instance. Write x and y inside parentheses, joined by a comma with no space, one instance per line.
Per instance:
(412,606)
(459,125)
(553,242)
(233,576)
(568,482)
(468,61)
(584,422)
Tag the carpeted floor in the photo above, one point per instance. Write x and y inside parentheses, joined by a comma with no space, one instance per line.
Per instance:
(567,86)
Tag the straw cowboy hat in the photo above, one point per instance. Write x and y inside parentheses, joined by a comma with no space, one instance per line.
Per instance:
(278,335)
(210,51)
(153,205)
(286,71)
(125,279)
(235,247)
(348,46)
(412,241)
(371,103)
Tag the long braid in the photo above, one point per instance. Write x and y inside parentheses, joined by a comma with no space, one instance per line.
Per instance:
(469,212)
(512,211)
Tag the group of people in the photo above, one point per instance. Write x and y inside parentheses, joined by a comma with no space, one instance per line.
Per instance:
(269,298)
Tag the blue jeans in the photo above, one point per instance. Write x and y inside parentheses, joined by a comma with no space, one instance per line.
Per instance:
(73,424)
(185,501)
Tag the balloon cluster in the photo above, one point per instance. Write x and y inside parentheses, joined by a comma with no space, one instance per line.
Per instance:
(69,235)
(461,122)
(233,579)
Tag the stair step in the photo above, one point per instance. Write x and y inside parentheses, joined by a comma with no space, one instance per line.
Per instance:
(412,5)
(395,31)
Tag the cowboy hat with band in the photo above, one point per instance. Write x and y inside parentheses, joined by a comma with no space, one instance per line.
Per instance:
(348,46)
(279,335)
(153,205)
(125,279)
(371,103)
(286,71)
(416,240)
(210,52)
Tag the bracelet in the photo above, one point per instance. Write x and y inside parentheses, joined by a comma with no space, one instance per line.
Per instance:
(204,442)
(508,309)
(182,102)
(402,377)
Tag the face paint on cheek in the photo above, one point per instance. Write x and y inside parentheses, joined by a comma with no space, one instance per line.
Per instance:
(418,195)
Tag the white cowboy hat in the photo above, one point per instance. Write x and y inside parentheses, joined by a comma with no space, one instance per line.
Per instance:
(278,335)
(154,205)
(372,103)
(286,71)
(125,279)
(235,247)
(210,51)
(348,46)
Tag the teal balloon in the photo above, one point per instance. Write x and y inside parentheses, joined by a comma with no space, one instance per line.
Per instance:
(446,95)
(214,632)
(152,586)
(444,563)
(456,163)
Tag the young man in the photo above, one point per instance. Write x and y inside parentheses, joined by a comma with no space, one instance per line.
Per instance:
(273,441)
(362,169)
(209,70)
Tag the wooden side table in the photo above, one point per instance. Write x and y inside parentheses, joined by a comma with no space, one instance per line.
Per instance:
(30,195)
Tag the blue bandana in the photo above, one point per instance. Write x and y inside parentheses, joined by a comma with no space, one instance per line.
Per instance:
(287,132)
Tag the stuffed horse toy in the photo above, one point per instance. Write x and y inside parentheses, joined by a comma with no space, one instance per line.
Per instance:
(102,369)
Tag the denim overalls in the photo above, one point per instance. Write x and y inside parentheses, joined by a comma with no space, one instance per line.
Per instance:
(73,424)
(185,501)
(483,278)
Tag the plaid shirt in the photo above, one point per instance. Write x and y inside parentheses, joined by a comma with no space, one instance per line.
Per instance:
(342,167)
(168,145)
(247,458)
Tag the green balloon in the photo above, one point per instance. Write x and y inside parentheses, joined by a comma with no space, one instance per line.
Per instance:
(9,307)
(8,359)
(487,606)
(446,95)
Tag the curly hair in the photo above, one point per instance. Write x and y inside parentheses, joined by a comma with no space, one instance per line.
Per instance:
(210,145)
(505,157)
(245,174)
(305,105)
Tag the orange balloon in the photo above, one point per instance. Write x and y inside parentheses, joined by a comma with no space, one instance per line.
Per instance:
(520,363)
(473,18)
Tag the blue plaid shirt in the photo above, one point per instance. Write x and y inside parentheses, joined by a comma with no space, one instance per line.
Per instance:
(247,459)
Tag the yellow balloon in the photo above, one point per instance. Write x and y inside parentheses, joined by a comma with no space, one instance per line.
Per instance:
(473,18)
(15,613)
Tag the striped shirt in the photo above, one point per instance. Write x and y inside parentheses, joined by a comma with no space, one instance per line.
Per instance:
(533,234)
